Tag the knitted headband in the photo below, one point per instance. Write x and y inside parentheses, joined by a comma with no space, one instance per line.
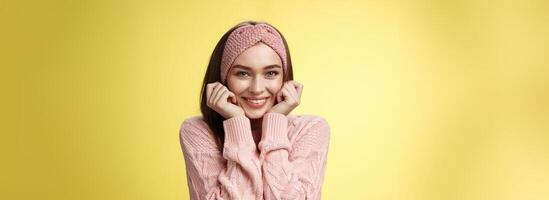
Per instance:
(247,36)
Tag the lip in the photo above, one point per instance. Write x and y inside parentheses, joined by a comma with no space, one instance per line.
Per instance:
(255,105)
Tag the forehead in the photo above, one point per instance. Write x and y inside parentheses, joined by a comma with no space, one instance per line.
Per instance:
(258,57)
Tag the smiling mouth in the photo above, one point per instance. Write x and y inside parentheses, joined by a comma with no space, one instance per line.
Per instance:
(255,102)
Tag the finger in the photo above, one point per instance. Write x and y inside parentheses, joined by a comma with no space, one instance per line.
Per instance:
(212,88)
(232,97)
(294,83)
(295,88)
(293,95)
(209,89)
(279,97)
(228,97)
(299,88)
(215,94)
(286,96)
(291,90)
(218,95)
(297,85)
(223,97)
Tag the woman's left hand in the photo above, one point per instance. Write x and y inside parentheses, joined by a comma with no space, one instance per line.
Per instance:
(288,98)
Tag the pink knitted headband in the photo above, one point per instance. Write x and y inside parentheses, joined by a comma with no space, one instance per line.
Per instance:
(247,36)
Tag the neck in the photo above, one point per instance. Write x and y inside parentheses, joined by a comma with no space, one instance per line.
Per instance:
(256,129)
(256,124)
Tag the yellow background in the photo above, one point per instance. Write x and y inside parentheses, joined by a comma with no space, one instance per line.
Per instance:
(426,99)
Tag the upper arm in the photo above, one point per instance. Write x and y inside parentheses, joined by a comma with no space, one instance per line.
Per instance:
(203,161)
(313,136)
(195,137)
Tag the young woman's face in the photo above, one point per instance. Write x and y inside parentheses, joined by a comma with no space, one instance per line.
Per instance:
(255,77)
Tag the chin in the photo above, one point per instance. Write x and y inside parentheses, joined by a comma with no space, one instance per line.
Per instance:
(255,114)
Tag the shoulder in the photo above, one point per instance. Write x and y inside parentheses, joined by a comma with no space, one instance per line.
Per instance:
(193,122)
(308,121)
(194,133)
(309,124)
(194,125)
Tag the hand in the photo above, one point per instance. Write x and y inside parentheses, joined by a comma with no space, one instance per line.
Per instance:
(288,98)
(223,101)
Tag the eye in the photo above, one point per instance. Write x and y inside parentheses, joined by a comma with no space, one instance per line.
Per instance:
(272,73)
(242,74)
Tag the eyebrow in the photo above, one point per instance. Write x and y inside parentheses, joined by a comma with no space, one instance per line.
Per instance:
(249,68)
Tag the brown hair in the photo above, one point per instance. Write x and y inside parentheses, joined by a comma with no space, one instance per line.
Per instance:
(213,74)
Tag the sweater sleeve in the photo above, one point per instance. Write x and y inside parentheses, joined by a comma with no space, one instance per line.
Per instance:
(235,174)
(293,171)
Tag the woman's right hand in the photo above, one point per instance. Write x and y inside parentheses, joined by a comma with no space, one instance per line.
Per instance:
(223,101)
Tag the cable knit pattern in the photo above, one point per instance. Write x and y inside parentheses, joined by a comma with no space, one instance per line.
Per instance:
(247,36)
(288,163)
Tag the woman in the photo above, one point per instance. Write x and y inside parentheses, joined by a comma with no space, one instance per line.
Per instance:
(246,145)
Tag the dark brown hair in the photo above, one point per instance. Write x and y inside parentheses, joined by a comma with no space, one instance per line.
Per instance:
(213,74)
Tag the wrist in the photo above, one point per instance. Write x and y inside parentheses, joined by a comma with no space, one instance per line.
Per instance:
(277,112)
(236,115)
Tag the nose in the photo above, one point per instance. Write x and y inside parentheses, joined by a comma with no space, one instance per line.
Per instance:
(257,87)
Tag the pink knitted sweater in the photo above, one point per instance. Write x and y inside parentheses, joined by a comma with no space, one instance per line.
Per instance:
(288,162)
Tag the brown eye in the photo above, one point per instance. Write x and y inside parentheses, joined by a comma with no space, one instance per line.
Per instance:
(272,73)
(242,74)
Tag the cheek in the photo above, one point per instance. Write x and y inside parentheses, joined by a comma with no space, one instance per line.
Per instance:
(236,87)
(274,87)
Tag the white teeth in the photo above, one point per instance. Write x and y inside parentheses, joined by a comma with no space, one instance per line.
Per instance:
(256,101)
